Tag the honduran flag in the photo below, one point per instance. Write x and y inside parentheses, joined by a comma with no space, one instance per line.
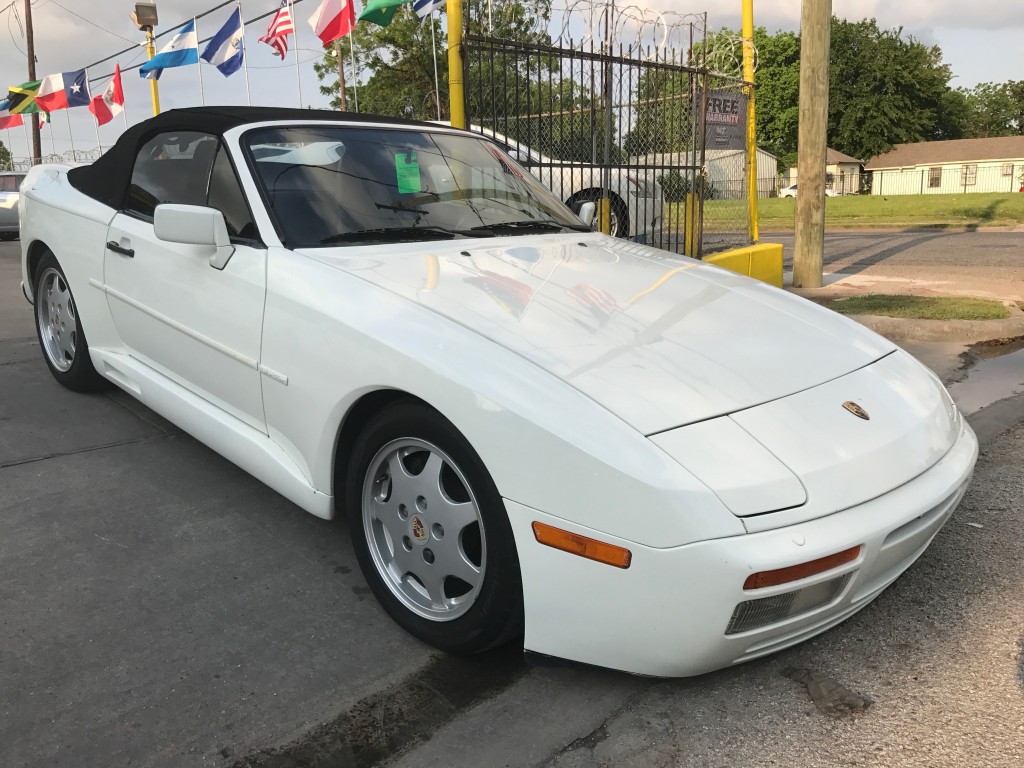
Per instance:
(180,52)
(111,102)
(225,49)
(67,89)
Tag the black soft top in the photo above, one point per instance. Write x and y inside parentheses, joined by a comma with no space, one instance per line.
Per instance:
(107,179)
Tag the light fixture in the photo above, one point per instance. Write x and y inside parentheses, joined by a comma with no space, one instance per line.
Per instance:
(144,15)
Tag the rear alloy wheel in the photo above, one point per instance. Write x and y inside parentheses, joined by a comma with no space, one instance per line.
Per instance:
(431,533)
(618,216)
(59,329)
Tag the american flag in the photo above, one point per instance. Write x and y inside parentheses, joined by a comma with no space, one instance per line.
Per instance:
(280,27)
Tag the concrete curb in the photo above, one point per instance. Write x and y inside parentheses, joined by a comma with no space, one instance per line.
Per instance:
(963,331)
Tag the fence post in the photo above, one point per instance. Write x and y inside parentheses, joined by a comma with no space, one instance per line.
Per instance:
(690,225)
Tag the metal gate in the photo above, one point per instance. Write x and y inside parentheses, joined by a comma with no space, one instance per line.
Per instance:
(632,126)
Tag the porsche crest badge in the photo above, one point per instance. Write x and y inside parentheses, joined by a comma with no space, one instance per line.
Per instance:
(856,410)
(419,531)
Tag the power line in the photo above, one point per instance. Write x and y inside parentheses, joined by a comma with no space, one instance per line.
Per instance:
(174,29)
(89,21)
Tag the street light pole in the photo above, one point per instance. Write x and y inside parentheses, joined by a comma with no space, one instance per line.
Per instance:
(145,18)
(154,90)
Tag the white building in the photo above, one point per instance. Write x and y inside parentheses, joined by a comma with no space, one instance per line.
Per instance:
(724,168)
(842,173)
(946,167)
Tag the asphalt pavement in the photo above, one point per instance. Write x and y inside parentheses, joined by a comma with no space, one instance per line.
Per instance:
(159,607)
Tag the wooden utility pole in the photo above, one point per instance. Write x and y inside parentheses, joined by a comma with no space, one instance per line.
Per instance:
(751,140)
(341,78)
(815,20)
(30,43)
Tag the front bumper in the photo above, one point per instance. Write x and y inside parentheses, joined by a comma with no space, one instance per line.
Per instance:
(667,614)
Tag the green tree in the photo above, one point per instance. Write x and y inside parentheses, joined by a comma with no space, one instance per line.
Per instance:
(6,162)
(524,97)
(884,88)
(990,110)
(396,66)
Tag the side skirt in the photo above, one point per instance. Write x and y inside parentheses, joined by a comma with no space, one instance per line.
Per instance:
(236,441)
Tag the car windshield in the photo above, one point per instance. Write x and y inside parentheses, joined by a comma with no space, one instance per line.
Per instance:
(343,186)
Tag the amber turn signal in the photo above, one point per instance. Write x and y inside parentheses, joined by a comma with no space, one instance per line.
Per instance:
(796,572)
(592,549)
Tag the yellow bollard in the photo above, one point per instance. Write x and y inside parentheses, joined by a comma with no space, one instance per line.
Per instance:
(690,225)
(604,215)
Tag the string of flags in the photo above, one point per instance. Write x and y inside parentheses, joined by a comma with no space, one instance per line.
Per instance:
(332,20)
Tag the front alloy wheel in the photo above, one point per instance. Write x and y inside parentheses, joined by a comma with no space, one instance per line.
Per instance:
(431,532)
(424,530)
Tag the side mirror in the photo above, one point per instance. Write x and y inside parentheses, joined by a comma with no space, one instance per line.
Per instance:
(587,212)
(195,225)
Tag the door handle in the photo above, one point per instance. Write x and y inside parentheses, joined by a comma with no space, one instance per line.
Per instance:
(116,248)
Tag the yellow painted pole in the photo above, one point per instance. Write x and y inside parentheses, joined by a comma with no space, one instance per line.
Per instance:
(690,225)
(456,95)
(151,51)
(748,76)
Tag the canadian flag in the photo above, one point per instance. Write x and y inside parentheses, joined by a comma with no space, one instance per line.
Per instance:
(110,103)
(333,19)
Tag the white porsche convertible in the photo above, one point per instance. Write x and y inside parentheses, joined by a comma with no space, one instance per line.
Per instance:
(535,431)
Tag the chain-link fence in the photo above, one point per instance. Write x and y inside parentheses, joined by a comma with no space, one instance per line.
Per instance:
(71,157)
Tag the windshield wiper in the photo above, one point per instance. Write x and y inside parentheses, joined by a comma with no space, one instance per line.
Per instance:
(537,225)
(393,234)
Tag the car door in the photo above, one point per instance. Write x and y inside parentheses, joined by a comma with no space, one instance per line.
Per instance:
(198,325)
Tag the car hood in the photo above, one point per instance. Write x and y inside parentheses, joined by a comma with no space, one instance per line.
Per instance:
(659,340)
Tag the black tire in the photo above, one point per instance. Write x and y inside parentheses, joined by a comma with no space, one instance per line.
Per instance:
(495,614)
(59,329)
(620,215)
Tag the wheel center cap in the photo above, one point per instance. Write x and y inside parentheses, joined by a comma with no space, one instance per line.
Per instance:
(419,531)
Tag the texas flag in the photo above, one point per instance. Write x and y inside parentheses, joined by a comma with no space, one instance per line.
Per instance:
(68,89)
(111,102)
(333,19)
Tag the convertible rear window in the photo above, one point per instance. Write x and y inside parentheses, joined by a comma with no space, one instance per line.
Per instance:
(336,185)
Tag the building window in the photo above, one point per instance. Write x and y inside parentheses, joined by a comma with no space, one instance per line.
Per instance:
(934,178)
(969,175)
(1007,169)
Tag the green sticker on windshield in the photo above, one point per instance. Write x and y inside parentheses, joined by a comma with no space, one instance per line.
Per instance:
(407,172)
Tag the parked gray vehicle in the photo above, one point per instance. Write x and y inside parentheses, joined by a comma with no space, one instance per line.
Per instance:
(9,183)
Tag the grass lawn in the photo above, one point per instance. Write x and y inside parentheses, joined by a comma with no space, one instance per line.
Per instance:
(921,307)
(962,210)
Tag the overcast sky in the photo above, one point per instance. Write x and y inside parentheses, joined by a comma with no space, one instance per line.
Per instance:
(983,40)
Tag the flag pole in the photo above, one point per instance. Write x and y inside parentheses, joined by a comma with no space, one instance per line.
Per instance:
(53,144)
(298,73)
(437,82)
(355,75)
(99,143)
(199,66)
(245,59)
(71,137)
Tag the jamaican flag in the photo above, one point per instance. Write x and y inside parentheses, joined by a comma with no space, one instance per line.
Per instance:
(22,97)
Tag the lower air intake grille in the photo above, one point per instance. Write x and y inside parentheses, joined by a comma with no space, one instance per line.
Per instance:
(754,614)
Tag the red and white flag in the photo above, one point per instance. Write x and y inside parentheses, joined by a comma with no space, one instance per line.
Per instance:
(110,103)
(8,120)
(280,27)
(333,19)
